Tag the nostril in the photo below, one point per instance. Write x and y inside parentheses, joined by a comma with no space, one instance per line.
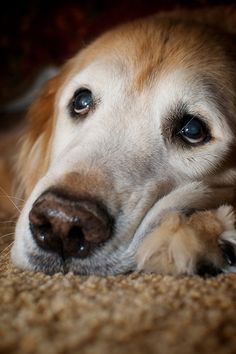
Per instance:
(75,244)
(42,231)
(45,238)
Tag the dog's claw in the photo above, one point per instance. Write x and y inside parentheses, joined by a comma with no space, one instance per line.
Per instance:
(228,252)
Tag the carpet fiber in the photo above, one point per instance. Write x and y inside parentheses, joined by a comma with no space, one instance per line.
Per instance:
(135,313)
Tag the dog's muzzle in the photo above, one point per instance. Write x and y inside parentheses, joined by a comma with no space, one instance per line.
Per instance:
(69,226)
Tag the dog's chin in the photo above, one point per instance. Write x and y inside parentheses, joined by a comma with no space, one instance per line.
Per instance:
(28,256)
(48,264)
(51,264)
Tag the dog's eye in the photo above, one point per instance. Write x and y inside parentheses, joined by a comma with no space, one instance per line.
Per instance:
(193,130)
(82,102)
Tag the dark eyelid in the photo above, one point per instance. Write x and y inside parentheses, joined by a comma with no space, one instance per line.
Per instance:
(171,121)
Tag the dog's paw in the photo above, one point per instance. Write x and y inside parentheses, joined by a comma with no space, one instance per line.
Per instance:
(203,243)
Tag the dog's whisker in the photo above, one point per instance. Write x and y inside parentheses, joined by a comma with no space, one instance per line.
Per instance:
(6,248)
(5,260)
(9,198)
(8,222)
(12,197)
(10,234)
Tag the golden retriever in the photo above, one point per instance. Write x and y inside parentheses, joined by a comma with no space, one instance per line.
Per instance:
(128,157)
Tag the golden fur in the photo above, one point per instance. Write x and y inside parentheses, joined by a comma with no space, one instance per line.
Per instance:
(179,241)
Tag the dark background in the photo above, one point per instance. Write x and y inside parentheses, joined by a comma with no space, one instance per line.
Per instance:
(34,34)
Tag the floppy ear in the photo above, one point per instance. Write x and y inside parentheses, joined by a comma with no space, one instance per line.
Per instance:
(33,158)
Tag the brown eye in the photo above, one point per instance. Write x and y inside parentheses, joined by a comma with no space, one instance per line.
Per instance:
(82,102)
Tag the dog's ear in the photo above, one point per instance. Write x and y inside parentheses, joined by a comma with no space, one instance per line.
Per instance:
(33,158)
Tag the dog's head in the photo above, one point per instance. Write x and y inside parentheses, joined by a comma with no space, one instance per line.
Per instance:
(141,121)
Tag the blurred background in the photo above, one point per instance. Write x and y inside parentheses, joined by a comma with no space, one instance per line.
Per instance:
(36,34)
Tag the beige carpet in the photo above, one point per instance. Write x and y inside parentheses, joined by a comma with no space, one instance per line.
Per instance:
(134,314)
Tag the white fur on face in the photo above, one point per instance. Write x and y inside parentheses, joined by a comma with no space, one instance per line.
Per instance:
(123,140)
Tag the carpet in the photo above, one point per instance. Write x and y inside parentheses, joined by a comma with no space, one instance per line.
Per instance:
(135,313)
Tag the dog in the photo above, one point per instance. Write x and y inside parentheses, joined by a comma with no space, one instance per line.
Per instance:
(127,160)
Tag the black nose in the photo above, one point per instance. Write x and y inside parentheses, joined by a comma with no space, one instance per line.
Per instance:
(69,226)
